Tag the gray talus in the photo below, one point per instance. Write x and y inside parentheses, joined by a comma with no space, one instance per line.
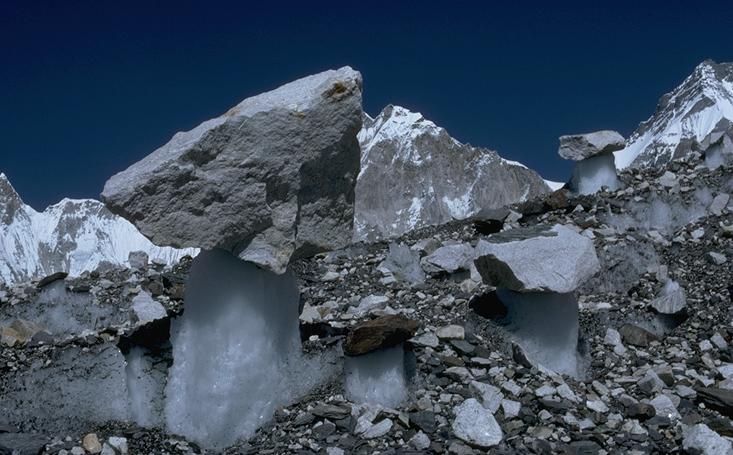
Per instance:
(271,180)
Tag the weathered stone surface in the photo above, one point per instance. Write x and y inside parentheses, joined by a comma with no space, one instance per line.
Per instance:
(476,425)
(556,260)
(578,147)
(449,259)
(671,299)
(701,439)
(380,333)
(636,336)
(270,180)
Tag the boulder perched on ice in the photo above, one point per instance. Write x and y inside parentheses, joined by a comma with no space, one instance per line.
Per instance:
(578,147)
(270,180)
(380,333)
(595,167)
(524,260)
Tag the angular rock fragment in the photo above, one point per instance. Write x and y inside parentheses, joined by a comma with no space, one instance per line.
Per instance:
(671,299)
(556,260)
(270,180)
(705,441)
(476,425)
(380,333)
(578,147)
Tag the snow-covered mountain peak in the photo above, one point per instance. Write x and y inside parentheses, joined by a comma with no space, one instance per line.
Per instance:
(73,235)
(396,123)
(414,174)
(702,103)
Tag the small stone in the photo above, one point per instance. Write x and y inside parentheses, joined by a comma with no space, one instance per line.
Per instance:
(451,332)
(378,430)
(490,396)
(716,258)
(91,443)
(665,407)
(119,444)
(428,339)
(476,425)
(597,406)
(420,441)
(511,408)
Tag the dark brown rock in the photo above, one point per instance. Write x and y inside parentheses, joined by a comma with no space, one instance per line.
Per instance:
(45,281)
(383,332)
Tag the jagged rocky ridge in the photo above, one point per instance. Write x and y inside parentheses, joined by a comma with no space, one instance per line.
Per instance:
(73,236)
(414,174)
(694,116)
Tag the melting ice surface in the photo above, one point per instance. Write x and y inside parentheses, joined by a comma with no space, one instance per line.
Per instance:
(591,174)
(63,312)
(145,383)
(377,377)
(545,325)
(661,213)
(236,351)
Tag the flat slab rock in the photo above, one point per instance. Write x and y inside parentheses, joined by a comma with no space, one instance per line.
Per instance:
(578,147)
(554,260)
(271,180)
(380,333)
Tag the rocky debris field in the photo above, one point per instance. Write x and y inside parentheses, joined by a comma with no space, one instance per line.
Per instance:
(654,338)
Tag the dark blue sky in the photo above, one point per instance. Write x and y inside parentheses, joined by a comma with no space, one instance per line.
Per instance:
(87,88)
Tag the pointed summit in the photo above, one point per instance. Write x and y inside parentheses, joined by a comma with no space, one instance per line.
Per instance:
(702,104)
(10,201)
(414,174)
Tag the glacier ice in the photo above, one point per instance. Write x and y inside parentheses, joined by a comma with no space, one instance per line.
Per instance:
(62,312)
(591,174)
(236,351)
(377,378)
(545,325)
(146,379)
(73,390)
(661,213)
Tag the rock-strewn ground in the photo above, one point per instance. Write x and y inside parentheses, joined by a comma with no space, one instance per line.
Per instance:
(650,378)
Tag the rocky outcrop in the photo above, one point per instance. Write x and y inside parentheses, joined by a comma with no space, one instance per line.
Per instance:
(554,260)
(577,147)
(270,180)
(593,153)
(414,174)
(690,118)
(73,236)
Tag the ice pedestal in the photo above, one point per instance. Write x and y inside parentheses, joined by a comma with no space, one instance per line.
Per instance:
(592,174)
(236,351)
(377,378)
(545,325)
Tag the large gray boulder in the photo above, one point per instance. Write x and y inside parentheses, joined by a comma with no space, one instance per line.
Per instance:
(271,180)
(414,174)
(577,147)
(524,260)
